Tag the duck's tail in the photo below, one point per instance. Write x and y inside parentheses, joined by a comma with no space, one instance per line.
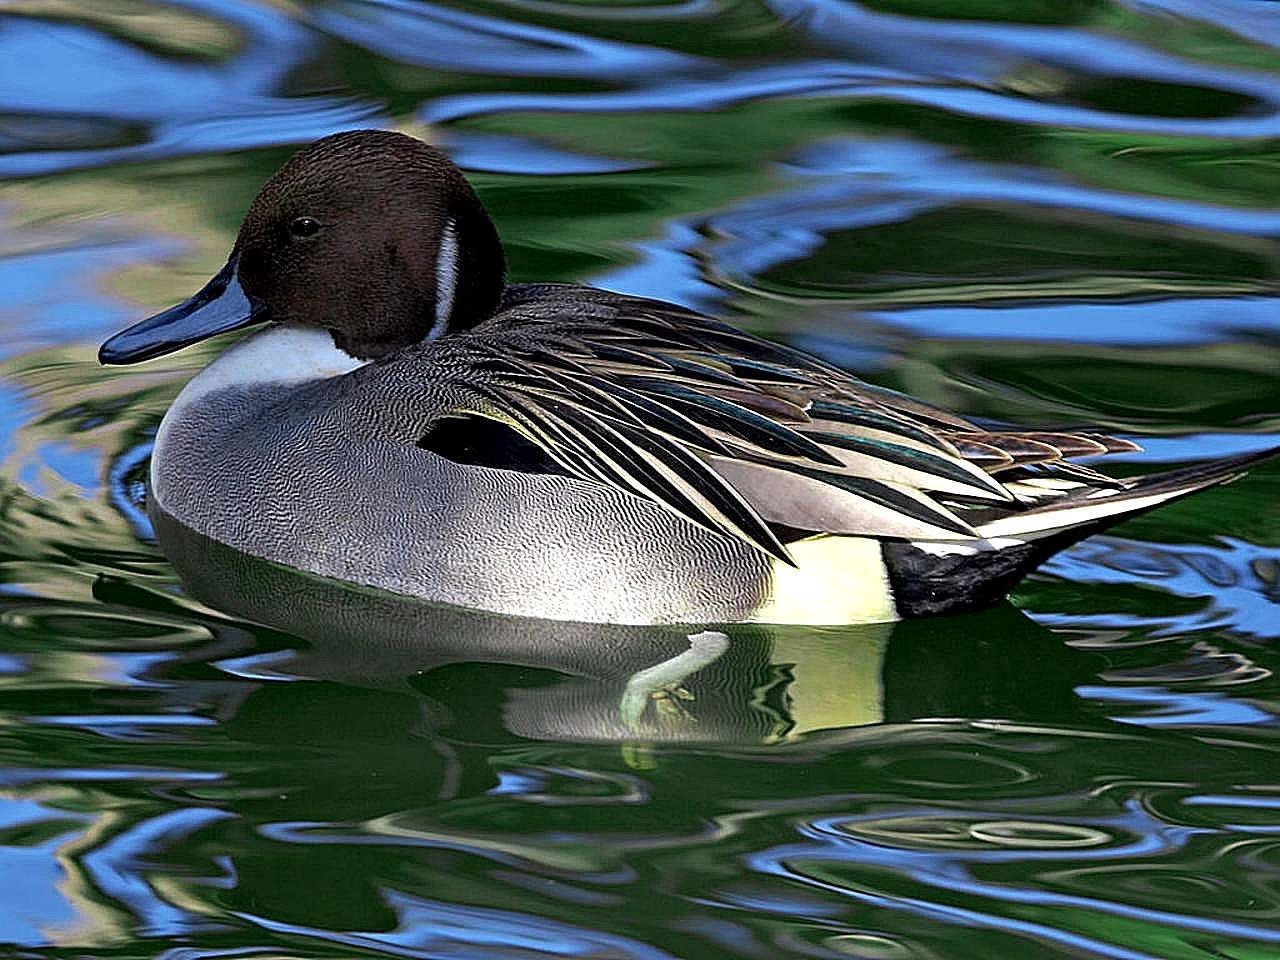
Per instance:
(944,577)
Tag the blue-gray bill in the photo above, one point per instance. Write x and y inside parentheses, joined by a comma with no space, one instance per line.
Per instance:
(219,307)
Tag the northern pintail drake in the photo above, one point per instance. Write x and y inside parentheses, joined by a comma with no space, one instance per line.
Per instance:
(406,420)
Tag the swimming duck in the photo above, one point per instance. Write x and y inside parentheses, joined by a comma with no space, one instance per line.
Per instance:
(406,420)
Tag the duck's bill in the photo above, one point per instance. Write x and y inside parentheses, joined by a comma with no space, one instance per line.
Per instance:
(220,306)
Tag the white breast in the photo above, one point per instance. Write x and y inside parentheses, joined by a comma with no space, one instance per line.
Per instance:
(278,354)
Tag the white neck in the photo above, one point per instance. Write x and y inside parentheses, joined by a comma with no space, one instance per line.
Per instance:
(278,354)
(275,355)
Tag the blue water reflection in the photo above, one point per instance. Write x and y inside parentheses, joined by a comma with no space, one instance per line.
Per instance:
(118,103)
(924,171)
(30,874)
(54,282)
(1235,581)
(467,42)
(1179,321)
(978,52)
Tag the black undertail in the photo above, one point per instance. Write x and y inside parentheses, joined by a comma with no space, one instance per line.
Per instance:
(925,584)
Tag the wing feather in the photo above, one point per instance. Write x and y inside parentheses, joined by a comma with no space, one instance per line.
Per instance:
(739,435)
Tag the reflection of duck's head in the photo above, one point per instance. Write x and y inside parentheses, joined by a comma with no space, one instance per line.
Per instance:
(545,679)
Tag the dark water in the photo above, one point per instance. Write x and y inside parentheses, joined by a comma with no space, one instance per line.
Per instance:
(1044,212)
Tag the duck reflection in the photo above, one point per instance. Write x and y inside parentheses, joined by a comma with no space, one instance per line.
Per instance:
(495,677)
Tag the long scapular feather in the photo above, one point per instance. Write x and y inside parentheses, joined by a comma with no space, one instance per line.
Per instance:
(613,400)
(704,372)
(929,471)
(617,353)
(662,418)
(809,501)
(992,459)
(736,420)
(916,409)
(876,420)
(1019,449)
(762,371)
(765,404)
(742,517)
(1069,444)
(628,458)
(894,496)
(1089,506)
(581,392)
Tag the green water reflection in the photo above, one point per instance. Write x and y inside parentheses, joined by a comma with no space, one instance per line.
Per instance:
(1042,213)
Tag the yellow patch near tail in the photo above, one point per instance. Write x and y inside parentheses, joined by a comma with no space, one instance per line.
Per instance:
(837,581)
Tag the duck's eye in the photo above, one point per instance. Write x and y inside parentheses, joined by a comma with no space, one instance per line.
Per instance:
(303,227)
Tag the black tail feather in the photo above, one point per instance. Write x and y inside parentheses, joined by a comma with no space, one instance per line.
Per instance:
(926,582)
(1199,475)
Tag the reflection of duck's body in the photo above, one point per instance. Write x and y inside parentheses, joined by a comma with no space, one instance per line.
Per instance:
(494,676)
(411,423)
(554,679)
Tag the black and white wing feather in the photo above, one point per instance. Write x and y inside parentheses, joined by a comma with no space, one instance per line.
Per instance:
(744,437)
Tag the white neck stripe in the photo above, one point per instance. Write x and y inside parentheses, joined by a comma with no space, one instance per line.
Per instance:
(446,279)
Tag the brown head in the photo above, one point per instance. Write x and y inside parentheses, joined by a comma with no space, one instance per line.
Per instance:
(372,235)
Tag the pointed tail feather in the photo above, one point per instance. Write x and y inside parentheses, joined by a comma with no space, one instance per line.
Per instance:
(933,578)
(1094,509)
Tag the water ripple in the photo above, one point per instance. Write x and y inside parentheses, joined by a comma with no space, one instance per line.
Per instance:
(981,51)
(1235,578)
(134,105)
(446,39)
(431,928)
(844,851)
(1047,212)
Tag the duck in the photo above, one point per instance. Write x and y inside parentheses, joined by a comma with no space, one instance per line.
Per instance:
(401,418)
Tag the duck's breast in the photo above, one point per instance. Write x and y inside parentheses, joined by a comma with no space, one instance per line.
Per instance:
(277,472)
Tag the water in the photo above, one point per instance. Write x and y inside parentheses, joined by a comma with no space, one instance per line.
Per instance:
(1055,213)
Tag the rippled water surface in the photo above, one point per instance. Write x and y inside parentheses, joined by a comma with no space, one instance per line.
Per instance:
(1056,213)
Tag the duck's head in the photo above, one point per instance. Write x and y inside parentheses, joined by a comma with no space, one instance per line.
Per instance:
(370,235)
